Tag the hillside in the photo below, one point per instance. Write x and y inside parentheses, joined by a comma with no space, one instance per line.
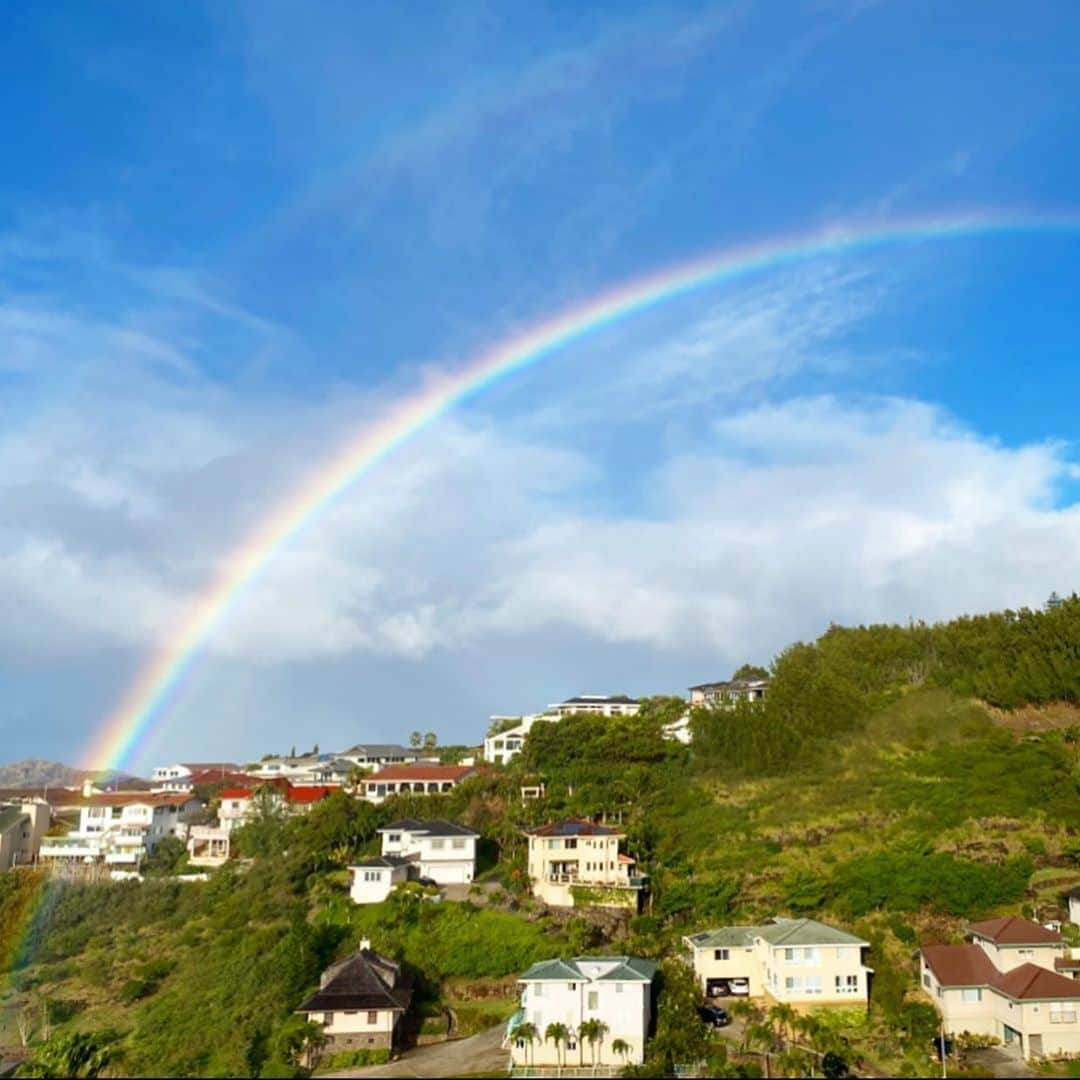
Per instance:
(873,788)
(36,772)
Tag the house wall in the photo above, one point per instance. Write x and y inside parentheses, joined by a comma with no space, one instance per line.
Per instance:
(626,1013)
(814,971)
(372,884)
(1011,956)
(1074,910)
(958,1015)
(355,1029)
(741,963)
(449,860)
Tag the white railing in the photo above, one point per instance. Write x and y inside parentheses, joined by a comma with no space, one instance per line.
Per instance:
(1063,1017)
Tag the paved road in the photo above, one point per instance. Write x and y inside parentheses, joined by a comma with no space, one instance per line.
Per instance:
(478,1053)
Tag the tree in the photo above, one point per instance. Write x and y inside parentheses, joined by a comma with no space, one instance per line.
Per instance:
(298,1041)
(76,1054)
(416,740)
(431,740)
(621,1048)
(592,1031)
(529,1034)
(750,671)
(559,1034)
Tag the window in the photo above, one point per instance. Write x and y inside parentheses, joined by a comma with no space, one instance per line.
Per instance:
(1062,1012)
(793,984)
(925,979)
(372,1017)
(438,845)
(571,843)
(849,984)
(813,984)
(327,1019)
(393,838)
(457,845)
(573,986)
(537,990)
(721,954)
(1025,953)
(594,1000)
(971,994)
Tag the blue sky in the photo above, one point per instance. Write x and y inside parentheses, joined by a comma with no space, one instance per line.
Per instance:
(229,236)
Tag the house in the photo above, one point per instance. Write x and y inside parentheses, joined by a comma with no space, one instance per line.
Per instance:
(372,880)
(204,778)
(716,695)
(418,779)
(306,770)
(1007,982)
(1073,898)
(679,730)
(376,755)
(506,734)
(360,1001)
(209,845)
(436,850)
(597,705)
(22,826)
(235,804)
(122,827)
(441,850)
(615,990)
(576,863)
(796,961)
(184,770)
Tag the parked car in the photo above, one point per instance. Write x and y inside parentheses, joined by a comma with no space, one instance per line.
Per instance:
(428,881)
(714,1016)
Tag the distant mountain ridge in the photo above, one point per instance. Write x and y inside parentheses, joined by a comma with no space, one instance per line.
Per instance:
(37,772)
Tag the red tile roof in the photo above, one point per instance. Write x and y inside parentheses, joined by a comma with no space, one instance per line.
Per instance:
(1067,963)
(311,794)
(212,776)
(968,965)
(449,773)
(1029,982)
(1012,930)
(960,965)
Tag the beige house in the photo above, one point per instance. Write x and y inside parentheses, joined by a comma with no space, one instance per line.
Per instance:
(718,695)
(797,961)
(1007,983)
(22,826)
(576,863)
(360,1001)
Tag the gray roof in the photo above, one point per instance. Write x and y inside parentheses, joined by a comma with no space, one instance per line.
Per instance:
(778,931)
(625,969)
(428,828)
(599,699)
(381,750)
(386,861)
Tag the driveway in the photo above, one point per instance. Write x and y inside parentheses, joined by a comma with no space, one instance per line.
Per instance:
(481,1053)
(999,1061)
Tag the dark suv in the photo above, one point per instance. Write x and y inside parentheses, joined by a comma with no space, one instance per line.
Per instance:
(713,1016)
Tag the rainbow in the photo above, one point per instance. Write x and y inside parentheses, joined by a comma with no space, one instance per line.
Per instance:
(146,698)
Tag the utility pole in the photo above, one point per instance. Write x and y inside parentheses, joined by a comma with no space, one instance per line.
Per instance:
(944,1056)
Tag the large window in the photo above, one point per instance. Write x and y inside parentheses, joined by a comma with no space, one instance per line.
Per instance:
(1062,1012)
(457,845)
(594,1000)
(721,954)
(970,993)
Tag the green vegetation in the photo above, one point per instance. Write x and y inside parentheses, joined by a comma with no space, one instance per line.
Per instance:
(878,786)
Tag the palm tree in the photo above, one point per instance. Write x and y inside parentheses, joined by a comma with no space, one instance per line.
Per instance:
(529,1033)
(592,1031)
(559,1034)
(622,1048)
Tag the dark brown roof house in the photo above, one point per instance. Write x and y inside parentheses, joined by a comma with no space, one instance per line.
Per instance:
(360,1001)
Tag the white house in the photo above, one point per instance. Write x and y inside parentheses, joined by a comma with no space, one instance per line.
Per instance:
(376,755)
(121,828)
(615,990)
(1008,983)
(436,850)
(23,825)
(577,863)
(440,850)
(418,779)
(791,960)
(235,803)
(183,771)
(312,770)
(679,730)
(716,695)
(1074,906)
(506,734)
(372,880)
(360,1001)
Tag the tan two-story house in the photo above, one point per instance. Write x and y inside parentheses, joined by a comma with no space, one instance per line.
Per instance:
(577,863)
(797,961)
(1008,982)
